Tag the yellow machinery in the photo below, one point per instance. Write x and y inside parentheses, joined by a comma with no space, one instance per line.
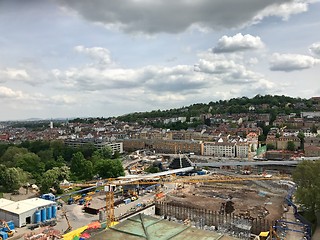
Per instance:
(110,188)
(269,235)
(88,198)
(5,225)
(76,198)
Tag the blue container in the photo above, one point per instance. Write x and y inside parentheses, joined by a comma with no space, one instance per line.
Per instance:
(49,212)
(37,218)
(54,211)
(11,225)
(43,215)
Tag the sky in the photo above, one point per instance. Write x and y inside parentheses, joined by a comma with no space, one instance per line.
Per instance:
(97,58)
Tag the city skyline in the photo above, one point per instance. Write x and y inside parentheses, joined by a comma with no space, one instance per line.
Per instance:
(63,59)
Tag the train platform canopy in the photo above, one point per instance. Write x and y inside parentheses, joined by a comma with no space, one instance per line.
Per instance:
(147,227)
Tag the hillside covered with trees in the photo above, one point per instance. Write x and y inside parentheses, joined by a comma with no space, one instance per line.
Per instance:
(258,104)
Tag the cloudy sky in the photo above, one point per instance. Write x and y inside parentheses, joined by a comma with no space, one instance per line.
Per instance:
(97,58)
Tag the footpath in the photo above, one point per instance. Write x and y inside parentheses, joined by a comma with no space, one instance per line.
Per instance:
(316,235)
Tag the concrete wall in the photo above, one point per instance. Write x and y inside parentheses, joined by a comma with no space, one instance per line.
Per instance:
(7,216)
(23,217)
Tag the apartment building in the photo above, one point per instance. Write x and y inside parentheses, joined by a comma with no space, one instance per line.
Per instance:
(98,143)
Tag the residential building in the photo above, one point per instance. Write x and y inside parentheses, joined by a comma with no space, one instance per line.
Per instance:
(98,143)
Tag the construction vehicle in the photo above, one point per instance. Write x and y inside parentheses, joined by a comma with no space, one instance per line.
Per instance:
(74,199)
(85,199)
(269,235)
(133,195)
(5,230)
(88,198)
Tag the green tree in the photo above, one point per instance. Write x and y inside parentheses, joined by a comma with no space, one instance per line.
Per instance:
(307,178)
(14,178)
(152,169)
(53,177)
(58,148)
(9,155)
(301,137)
(116,155)
(3,148)
(314,128)
(87,150)
(77,163)
(107,168)
(291,146)
(81,168)
(3,169)
(270,146)
(31,163)
(103,153)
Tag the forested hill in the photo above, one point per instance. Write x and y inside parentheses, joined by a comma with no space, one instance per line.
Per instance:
(258,104)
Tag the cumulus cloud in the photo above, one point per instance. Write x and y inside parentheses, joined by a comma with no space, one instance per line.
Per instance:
(8,74)
(227,69)
(161,16)
(99,54)
(155,78)
(8,93)
(291,62)
(315,49)
(238,43)
(284,10)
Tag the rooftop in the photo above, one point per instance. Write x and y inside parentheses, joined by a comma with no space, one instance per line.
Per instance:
(24,205)
(4,202)
(147,227)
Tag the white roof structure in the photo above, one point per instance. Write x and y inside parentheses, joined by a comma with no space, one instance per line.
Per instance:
(4,202)
(17,208)
(24,205)
(37,202)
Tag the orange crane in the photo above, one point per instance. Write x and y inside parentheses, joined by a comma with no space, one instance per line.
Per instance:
(111,187)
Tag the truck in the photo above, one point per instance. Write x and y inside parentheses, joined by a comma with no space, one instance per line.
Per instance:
(48,196)
(74,199)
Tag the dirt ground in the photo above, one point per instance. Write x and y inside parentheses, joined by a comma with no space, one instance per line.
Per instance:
(249,200)
(23,194)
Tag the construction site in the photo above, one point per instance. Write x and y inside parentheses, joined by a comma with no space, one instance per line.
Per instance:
(252,207)
(244,199)
(222,203)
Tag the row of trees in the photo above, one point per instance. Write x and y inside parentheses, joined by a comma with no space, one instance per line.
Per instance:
(47,163)
(307,178)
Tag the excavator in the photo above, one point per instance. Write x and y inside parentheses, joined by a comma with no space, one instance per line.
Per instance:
(5,228)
